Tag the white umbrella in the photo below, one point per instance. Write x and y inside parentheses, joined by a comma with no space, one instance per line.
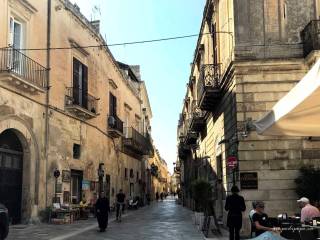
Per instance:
(298,112)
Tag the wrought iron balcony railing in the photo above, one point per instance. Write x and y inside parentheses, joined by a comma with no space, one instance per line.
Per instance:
(136,142)
(25,72)
(311,37)
(198,120)
(81,103)
(115,126)
(209,86)
(150,145)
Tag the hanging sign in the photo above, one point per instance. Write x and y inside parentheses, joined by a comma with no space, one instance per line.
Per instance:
(232,162)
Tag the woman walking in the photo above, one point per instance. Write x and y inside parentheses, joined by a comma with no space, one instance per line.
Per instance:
(235,206)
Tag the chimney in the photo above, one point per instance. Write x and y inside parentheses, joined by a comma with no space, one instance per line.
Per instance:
(96,25)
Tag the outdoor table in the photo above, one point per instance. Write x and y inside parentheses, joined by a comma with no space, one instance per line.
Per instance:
(61,214)
(75,214)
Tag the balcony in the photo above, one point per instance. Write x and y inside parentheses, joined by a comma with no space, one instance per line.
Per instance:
(150,145)
(22,72)
(81,104)
(162,179)
(198,120)
(183,151)
(209,86)
(115,126)
(191,138)
(135,144)
(310,36)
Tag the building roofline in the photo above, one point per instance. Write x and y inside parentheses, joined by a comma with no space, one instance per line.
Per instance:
(205,11)
(71,8)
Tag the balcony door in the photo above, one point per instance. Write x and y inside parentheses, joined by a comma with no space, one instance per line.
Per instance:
(16,34)
(112,105)
(16,42)
(80,84)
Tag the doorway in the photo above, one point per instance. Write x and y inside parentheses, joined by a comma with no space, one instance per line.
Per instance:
(11,166)
(220,185)
(131,189)
(76,186)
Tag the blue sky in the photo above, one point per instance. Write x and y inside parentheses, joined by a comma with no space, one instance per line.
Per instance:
(165,66)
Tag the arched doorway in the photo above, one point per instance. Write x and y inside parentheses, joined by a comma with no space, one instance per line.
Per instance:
(11,166)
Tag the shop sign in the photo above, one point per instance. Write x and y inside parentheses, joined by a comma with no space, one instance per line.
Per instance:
(232,162)
(85,185)
(249,180)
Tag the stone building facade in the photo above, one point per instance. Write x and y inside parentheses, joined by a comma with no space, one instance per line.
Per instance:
(73,109)
(249,54)
(160,176)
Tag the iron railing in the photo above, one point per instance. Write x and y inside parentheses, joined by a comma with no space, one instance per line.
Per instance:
(117,124)
(150,145)
(311,37)
(77,97)
(209,78)
(13,61)
(136,141)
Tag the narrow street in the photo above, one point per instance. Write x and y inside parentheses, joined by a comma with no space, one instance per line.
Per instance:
(160,220)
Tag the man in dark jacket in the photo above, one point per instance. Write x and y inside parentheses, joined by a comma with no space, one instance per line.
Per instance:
(235,206)
(102,210)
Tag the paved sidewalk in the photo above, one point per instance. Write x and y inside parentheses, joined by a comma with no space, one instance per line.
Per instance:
(160,220)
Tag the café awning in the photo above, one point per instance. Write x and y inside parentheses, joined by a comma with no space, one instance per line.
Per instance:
(298,112)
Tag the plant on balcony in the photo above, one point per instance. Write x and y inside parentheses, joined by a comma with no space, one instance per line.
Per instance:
(201,194)
(308,184)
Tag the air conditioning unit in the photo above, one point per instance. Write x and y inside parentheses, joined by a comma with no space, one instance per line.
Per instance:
(111,121)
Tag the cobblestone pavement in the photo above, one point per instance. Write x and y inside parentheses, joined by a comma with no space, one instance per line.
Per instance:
(160,220)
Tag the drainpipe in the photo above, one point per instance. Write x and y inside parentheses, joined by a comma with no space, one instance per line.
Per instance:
(46,137)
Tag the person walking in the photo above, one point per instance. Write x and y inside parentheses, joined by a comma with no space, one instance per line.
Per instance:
(102,211)
(157,196)
(120,202)
(235,205)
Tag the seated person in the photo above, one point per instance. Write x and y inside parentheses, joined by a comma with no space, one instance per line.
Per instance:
(253,211)
(260,220)
(307,210)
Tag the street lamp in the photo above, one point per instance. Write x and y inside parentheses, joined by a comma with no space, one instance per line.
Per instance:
(100,174)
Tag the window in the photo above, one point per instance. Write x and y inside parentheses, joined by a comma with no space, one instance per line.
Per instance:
(126,173)
(76,151)
(112,105)
(284,10)
(80,84)
(137,176)
(131,173)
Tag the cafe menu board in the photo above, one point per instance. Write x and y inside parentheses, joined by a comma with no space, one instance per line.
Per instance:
(66,176)
(249,180)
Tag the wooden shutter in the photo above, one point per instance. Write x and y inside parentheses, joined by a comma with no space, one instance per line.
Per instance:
(76,81)
(112,105)
(84,86)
